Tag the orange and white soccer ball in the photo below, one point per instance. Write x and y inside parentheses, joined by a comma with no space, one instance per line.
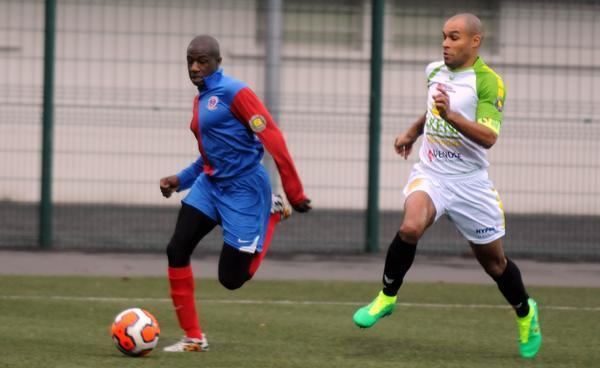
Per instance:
(135,332)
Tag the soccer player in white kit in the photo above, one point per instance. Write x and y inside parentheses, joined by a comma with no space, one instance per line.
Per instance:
(464,114)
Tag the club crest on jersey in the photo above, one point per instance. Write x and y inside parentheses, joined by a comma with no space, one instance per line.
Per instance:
(258,123)
(499,104)
(212,103)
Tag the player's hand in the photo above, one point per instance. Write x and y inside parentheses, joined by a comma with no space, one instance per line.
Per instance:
(442,101)
(303,206)
(168,185)
(403,145)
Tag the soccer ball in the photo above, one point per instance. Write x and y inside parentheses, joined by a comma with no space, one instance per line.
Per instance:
(135,332)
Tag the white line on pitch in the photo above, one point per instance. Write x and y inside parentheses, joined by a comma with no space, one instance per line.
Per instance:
(283,302)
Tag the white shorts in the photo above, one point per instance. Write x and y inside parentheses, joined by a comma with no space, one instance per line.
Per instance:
(471,203)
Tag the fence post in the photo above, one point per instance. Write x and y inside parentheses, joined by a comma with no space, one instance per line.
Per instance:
(377,16)
(45,225)
(273,73)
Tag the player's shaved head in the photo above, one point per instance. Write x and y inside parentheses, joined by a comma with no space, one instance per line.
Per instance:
(472,23)
(463,34)
(203,58)
(205,44)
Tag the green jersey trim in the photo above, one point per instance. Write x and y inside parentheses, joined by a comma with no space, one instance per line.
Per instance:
(434,72)
(491,96)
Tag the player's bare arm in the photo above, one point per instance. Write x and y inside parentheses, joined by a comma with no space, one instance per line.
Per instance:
(478,133)
(404,142)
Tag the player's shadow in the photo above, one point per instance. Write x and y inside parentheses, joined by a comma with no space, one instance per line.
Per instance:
(115,354)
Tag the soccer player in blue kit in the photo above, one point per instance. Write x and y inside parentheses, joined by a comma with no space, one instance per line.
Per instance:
(228,185)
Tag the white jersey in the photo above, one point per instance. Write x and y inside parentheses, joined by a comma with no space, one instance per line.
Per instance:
(478,94)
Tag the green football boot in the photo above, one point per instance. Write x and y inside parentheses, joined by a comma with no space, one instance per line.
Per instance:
(382,306)
(530,335)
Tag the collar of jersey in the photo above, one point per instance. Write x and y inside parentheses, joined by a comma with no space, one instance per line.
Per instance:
(477,64)
(212,80)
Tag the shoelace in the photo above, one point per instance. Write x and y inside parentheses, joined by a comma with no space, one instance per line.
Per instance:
(524,327)
(378,305)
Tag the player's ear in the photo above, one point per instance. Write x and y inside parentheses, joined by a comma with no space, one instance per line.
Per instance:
(219,59)
(476,40)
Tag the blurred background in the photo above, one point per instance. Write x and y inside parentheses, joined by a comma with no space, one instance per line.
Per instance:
(116,116)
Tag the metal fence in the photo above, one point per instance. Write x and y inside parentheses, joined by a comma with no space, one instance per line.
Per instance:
(123,101)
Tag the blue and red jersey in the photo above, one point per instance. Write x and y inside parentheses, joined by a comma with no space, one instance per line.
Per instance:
(232,126)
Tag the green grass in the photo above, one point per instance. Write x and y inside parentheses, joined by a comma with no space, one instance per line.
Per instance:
(38,329)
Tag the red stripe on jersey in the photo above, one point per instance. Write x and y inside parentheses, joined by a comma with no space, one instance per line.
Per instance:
(195,127)
(246,106)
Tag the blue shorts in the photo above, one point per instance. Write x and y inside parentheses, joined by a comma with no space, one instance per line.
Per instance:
(241,206)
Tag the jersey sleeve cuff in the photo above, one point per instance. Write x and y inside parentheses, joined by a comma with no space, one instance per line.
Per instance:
(186,179)
(492,124)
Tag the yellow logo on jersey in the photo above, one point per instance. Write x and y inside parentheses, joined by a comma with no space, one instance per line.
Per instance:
(444,141)
(258,123)
(434,110)
(414,184)
(494,125)
(499,104)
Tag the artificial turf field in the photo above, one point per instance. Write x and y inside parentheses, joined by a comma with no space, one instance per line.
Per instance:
(64,321)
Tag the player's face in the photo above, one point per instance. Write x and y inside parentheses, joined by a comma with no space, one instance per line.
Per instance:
(459,46)
(200,64)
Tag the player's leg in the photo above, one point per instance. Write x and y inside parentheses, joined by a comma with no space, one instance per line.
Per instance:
(233,267)
(419,214)
(249,214)
(192,225)
(279,212)
(237,266)
(477,212)
(504,272)
(258,257)
(507,276)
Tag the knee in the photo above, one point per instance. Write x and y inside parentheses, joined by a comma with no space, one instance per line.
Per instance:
(410,232)
(177,253)
(232,282)
(495,267)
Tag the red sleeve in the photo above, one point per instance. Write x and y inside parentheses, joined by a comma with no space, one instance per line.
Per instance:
(248,108)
